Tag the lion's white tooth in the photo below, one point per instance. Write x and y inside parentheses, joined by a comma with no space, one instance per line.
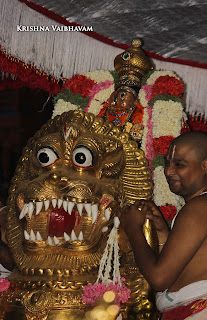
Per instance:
(65,205)
(54,203)
(66,236)
(116,222)
(80,237)
(24,211)
(38,236)
(32,235)
(104,229)
(70,206)
(94,209)
(46,203)
(73,236)
(21,215)
(30,209)
(94,217)
(49,241)
(80,208)
(39,205)
(107,214)
(26,235)
(88,209)
(56,241)
(26,208)
(60,201)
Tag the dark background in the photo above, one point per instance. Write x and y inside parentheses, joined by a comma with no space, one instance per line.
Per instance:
(22,113)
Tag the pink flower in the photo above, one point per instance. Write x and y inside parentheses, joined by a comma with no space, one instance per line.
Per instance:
(94,292)
(4,284)
(148,91)
(95,89)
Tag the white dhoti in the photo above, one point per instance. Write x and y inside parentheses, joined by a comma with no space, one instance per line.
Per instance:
(190,302)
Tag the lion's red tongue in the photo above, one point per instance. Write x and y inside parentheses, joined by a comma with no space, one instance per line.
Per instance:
(60,222)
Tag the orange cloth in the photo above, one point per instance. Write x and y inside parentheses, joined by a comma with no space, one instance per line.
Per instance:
(136,116)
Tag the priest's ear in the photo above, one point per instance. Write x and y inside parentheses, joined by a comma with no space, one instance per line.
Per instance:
(204,165)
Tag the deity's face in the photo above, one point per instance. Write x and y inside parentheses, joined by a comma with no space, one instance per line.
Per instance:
(184,172)
(122,98)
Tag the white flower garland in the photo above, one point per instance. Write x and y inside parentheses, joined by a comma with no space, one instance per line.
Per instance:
(99,76)
(142,98)
(63,106)
(111,253)
(162,193)
(167,118)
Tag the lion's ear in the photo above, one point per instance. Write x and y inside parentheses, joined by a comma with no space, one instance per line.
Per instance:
(112,165)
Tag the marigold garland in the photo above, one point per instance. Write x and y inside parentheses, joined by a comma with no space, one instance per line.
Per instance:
(153,75)
(168,212)
(168,85)
(161,144)
(79,84)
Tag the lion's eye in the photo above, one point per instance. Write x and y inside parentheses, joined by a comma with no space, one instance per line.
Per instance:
(82,157)
(47,156)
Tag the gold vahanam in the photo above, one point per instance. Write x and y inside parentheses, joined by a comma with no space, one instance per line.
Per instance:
(71,171)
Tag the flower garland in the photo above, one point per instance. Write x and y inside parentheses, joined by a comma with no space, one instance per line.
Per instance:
(94,292)
(168,85)
(85,92)
(161,95)
(4,284)
(109,261)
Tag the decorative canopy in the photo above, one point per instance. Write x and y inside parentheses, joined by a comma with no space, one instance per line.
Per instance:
(171,29)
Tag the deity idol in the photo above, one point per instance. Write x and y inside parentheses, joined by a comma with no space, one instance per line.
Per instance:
(122,108)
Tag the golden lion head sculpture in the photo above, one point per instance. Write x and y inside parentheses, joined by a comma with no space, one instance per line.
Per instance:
(72,176)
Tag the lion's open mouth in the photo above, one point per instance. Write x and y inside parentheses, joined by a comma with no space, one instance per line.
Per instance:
(58,221)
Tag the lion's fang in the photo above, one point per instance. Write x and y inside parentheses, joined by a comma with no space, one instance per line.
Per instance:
(46,203)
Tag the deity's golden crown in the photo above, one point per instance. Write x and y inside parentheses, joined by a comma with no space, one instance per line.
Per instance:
(132,65)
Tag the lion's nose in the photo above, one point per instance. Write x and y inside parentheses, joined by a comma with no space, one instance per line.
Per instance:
(57,178)
(54,177)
